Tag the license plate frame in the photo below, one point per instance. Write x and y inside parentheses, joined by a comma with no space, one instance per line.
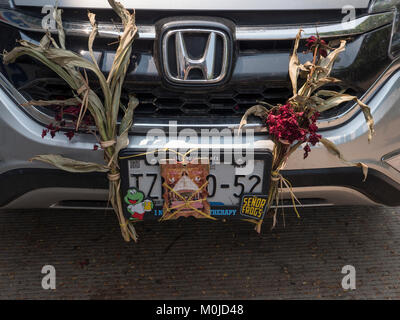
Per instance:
(217,211)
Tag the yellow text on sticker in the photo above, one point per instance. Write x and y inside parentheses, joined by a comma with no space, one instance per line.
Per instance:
(253,206)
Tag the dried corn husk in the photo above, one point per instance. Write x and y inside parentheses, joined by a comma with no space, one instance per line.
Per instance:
(309,98)
(72,69)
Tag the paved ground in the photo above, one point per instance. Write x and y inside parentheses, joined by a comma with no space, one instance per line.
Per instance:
(200,259)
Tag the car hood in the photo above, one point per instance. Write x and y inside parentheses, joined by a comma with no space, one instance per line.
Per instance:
(206,4)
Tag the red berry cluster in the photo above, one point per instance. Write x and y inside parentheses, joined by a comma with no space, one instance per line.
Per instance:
(50,128)
(288,126)
(283,124)
(72,112)
(313,137)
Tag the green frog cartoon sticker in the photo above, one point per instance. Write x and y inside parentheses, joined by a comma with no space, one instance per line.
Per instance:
(137,204)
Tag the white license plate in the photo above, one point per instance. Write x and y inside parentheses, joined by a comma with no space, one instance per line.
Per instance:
(225,187)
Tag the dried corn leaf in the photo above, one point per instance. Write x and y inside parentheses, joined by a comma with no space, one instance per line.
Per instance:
(257,110)
(315,102)
(45,42)
(53,42)
(121,11)
(126,124)
(66,58)
(92,36)
(338,98)
(68,65)
(121,61)
(294,65)
(10,57)
(123,52)
(332,148)
(326,64)
(368,116)
(61,35)
(70,165)
(305,69)
(127,120)
(333,101)
(323,81)
(59,103)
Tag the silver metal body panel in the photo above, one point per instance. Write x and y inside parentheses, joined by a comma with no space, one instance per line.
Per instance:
(49,197)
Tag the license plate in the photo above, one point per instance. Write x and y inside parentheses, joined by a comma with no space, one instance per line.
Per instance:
(142,186)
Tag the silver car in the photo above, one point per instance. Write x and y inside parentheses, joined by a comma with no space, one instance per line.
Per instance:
(199,66)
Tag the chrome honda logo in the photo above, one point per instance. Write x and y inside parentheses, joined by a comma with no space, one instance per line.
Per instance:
(180,61)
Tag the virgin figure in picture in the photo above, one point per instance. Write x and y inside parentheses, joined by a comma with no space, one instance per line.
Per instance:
(185,190)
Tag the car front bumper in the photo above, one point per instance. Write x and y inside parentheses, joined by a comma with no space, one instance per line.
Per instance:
(321,176)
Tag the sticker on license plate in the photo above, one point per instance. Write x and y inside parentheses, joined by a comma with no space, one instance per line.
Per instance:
(185,189)
(221,197)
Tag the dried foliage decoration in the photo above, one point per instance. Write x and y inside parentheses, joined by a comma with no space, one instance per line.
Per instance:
(295,123)
(72,68)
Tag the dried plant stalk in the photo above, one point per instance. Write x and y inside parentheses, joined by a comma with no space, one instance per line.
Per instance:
(305,104)
(69,66)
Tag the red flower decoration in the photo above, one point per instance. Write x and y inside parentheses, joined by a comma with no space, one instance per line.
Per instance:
(50,128)
(306,149)
(73,110)
(284,125)
(60,122)
(58,117)
(313,41)
(287,126)
(70,134)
